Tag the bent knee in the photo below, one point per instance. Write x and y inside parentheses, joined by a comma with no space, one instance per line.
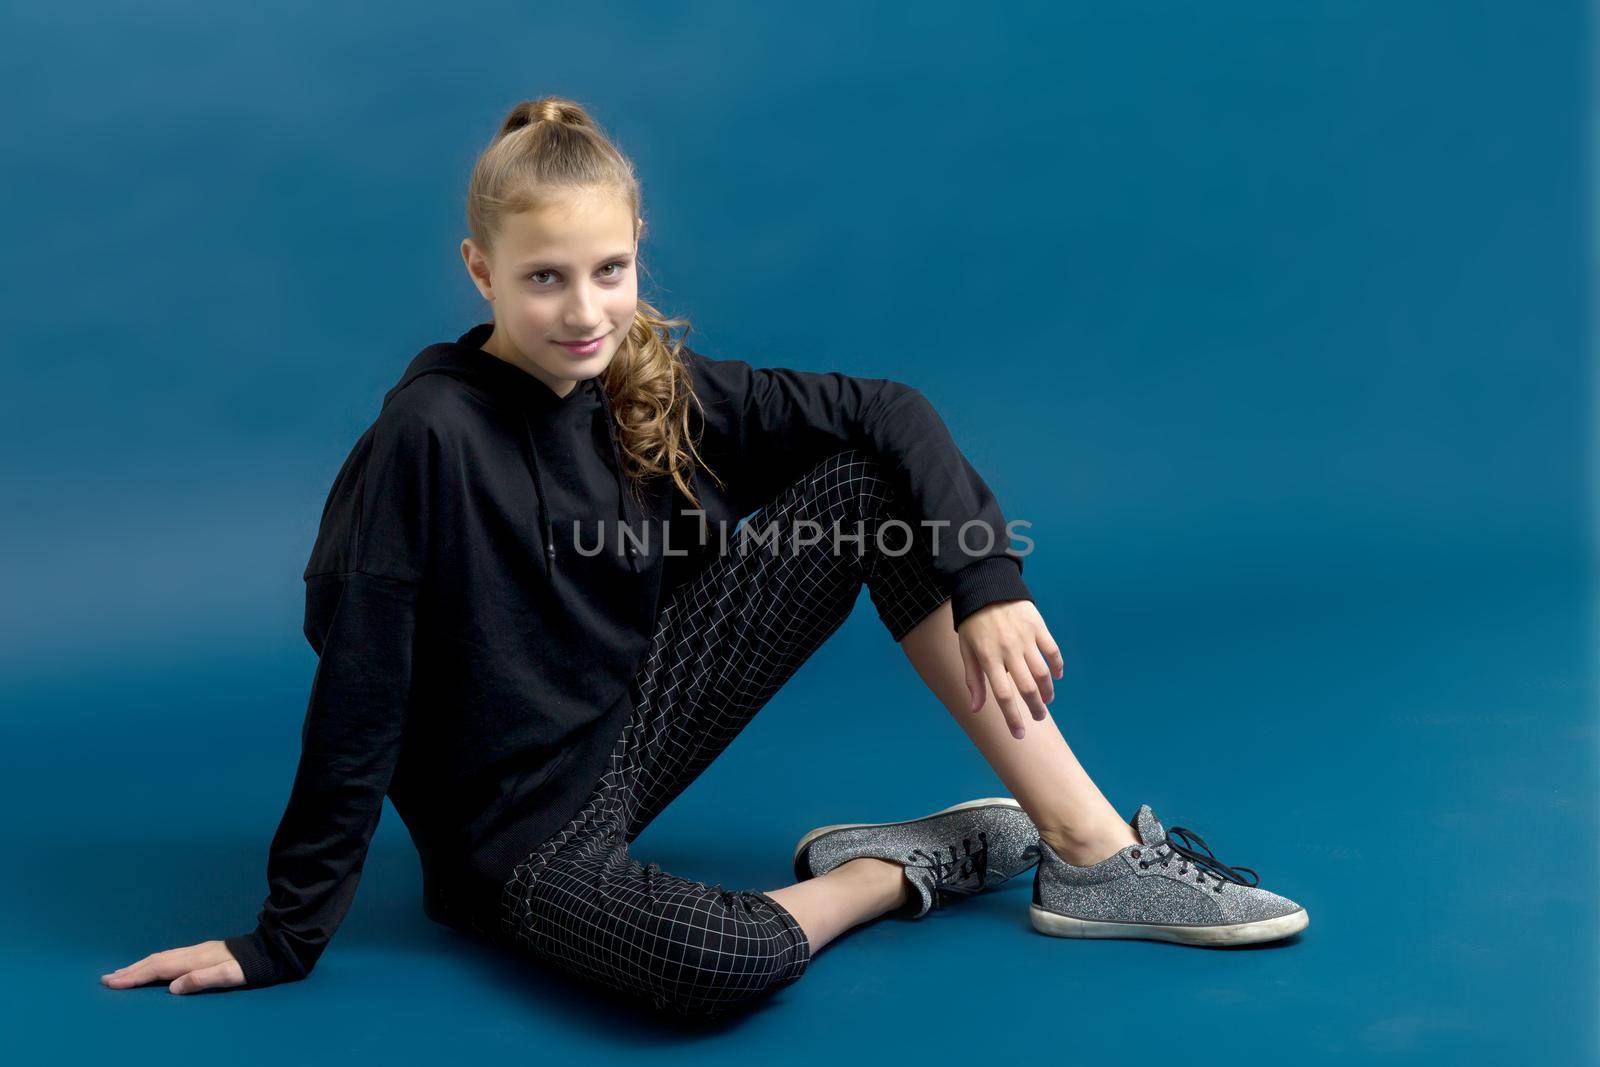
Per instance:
(852,474)
(701,971)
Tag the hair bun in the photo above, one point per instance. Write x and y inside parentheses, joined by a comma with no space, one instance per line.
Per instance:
(556,109)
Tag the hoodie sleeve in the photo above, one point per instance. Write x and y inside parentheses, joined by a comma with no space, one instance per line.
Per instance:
(361,603)
(770,425)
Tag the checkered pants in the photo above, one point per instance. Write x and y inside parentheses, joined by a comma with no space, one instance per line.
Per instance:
(724,642)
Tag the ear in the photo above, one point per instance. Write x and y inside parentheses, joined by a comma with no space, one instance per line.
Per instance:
(477,268)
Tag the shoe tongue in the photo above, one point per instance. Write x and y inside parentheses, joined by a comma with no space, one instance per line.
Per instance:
(1151,832)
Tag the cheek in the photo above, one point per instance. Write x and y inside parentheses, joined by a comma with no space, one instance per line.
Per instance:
(620,307)
(537,316)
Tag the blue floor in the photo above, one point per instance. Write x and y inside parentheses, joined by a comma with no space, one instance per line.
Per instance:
(1412,761)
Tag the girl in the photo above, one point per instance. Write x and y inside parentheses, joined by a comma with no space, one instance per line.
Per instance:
(537,620)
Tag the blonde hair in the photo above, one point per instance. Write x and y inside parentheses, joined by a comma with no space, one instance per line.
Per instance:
(549,147)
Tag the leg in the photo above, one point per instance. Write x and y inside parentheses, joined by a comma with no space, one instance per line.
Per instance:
(1073,816)
(725,642)
(681,946)
(686,947)
(849,895)
(729,638)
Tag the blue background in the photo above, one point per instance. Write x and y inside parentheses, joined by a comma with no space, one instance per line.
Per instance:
(1273,320)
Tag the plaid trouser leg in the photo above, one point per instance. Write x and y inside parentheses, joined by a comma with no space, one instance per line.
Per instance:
(725,641)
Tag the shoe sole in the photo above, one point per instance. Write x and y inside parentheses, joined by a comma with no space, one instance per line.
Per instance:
(803,870)
(1058,925)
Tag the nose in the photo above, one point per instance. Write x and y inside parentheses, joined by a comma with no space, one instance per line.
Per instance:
(583,310)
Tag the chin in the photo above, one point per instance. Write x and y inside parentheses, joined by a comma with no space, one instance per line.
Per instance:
(602,360)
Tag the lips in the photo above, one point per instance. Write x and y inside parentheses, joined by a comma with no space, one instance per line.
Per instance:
(584,348)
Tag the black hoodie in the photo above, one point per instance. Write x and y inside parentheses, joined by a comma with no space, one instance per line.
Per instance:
(474,665)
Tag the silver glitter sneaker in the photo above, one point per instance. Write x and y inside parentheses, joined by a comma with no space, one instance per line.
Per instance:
(962,850)
(1164,889)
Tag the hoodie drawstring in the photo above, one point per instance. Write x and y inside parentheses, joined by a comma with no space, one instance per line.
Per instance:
(622,489)
(545,532)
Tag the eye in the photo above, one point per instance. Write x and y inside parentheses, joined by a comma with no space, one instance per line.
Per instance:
(621,266)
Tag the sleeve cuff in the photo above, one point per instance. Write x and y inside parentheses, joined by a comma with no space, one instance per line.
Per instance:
(255,959)
(986,582)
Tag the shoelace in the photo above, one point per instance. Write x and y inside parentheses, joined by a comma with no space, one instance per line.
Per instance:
(965,871)
(1205,865)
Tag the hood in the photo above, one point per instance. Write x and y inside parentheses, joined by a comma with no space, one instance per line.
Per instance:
(464,358)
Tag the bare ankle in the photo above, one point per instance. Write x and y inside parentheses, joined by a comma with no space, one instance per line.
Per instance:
(887,876)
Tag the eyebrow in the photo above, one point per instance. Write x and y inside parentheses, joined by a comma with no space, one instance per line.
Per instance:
(544,264)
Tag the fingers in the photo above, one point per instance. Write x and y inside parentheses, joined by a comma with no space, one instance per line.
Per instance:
(975,686)
(1041,677)
(1004,690)
(1020,681)
(158,965)
(1052,652)
(210,959)
(217,976)
(1027,685)
(1009,647)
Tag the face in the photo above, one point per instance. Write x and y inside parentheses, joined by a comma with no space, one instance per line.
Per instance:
(562,273)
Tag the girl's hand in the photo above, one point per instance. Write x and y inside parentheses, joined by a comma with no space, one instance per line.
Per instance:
(208,965)
(1007,644)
